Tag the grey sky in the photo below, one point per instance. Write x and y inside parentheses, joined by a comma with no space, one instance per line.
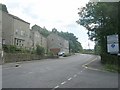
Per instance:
(61,14)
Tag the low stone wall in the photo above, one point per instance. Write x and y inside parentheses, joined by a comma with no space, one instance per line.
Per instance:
(8,57)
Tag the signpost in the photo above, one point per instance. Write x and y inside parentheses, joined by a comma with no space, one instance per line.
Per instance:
(113,44)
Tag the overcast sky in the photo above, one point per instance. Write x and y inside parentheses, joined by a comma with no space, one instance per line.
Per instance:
(59,14)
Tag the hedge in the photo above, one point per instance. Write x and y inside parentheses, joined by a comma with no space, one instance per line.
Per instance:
(109,59)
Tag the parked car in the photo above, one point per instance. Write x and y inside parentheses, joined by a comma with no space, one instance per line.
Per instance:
(61,53)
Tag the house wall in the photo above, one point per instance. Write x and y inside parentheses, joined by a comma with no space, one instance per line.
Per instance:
(21,33)
(0,30)
(30,41)
(15,31)
(44,42)
(55,41)
(7,29)
(38,39)
(66,46)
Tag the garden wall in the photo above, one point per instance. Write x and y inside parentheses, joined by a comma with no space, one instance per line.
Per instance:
(8,57)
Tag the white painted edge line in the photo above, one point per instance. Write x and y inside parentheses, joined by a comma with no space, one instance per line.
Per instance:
(69,79)
(85,65)
(92,61)
(63,82)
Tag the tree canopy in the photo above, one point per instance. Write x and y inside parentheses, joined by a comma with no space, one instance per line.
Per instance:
(3,8)
(74,45)
(100,19)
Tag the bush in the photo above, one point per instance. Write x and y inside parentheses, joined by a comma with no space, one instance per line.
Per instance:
(112,68)
(14,49)
(109,59)
(50,54)
(9,48)
(112,62)
(40,50)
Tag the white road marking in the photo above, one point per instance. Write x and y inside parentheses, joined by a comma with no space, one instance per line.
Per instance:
(85,65)
(69,79)
(56,87)
(63,82)
(75,75)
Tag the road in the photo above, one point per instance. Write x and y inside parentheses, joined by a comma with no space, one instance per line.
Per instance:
(66,72)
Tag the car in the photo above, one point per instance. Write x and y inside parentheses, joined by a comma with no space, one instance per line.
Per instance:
(61,53)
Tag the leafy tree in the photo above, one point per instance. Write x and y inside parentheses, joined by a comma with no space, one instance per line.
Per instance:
(44,32)
(54,30)
(100,19)
(3,8)
(74,45)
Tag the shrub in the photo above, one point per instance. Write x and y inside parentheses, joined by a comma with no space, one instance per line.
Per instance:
(14,49)
(40,50)
(9,48)
(109,59)
(50,54)
(112,62)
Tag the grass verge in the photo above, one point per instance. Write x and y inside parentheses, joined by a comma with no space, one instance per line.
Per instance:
(112,68)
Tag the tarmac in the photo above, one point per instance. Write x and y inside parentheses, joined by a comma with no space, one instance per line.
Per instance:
(95,65)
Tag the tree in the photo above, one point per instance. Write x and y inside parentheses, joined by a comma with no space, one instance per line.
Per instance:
(100,19)
(3,8)
(74,45)
(44,32)
(54,30)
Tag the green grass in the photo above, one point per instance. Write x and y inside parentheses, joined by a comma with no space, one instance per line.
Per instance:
(111,68)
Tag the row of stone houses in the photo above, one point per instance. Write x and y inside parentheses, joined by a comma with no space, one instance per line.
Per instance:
(0,31)
(15,31)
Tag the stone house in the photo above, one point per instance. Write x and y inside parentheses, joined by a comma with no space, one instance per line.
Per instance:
(57,44)
(15,31)
(0,37)
(0,31)
(37,38)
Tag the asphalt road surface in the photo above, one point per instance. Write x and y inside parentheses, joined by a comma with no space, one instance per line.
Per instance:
(65,72)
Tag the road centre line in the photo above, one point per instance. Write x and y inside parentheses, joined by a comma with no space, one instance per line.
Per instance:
(63,82)
(69,79)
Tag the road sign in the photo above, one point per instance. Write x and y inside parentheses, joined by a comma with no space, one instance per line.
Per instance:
(113,44)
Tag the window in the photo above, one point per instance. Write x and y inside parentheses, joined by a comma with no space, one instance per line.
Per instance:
(17,44)
(3,41)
